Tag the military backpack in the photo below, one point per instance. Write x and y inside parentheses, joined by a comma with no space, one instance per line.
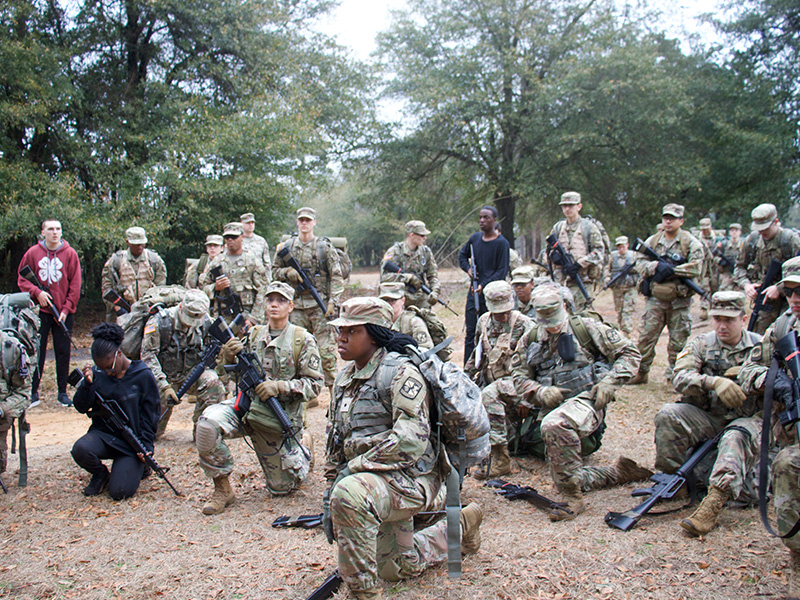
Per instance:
(19,318)
(153,302)
(436,329)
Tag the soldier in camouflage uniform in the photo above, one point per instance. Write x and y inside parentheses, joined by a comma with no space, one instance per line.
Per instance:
(132,272)
(711,400)
(581,238)
(670,301)
(214,244)
(252,242)
(383,466)
(730,248)
(172,359)
(319,259)
(418,265)
(405,321)
(242,274)
(624,289)
(522,281)
(290,359)
(766,242)
(569,368)
(15,388)
(710,279)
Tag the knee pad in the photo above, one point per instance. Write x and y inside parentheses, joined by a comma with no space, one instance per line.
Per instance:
(206,436)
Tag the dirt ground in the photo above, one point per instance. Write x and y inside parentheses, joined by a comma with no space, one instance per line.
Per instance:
(58,544)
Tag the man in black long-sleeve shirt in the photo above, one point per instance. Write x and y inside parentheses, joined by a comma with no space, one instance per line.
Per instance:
(491,260)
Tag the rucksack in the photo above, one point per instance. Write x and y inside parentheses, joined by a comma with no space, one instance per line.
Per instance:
(607,247)
(436,329)
(154,301)
(19,318)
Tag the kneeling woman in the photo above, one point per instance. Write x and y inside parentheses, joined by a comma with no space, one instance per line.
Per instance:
(132,385)
(383,463)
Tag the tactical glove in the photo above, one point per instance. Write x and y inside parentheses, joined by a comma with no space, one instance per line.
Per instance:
(782,390)
(433,298)
(413,281)
(664,271)
(271,389)
(293,276)
(729,392)
(171,397)
(549,396)
(573,270)
(603,394)
(229,351)
(327,522)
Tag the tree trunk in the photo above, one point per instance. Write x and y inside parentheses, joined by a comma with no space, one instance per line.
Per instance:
(506,204)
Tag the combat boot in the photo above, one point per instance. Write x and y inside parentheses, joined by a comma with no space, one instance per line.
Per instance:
(793,593)
(628,471)
(222,497)
(308,441)
(97,483)
(371,594)
(640,378)
(498,463)
(705,517)
(574,502)
(471,517)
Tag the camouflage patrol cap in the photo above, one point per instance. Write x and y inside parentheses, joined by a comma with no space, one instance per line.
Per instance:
(363,310)
(763,216)
(735,226)
(623,239)
(306,212)
(391,290)
(214,240)
(279,287)
(499,296)
(136,235)
(705,223)
(193,308)
(247,218)
(727,304)
(570,198)
(417,227)
(673,210)
(234,228)
(549,307)
(522,275)
(791,272)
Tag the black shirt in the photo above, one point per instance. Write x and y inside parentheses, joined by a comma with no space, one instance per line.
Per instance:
(491,258)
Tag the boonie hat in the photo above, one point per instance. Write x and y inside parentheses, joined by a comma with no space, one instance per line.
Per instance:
(763,216)
(234,228)
(215,240)
(499,296)
(391,290)
(306,212)
(279,287)
(705,223)
(363,310)
(570,198)
(247,218)
(549,307)
(791,272)
(727,304)
(735,226)
(522,275)
(135,235)
(417,227)
(623,239)
(540,284)
(193,308)
(673,210)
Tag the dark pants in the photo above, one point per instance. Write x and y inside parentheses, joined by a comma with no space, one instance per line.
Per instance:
(61,348)
(471,321)
(126,470)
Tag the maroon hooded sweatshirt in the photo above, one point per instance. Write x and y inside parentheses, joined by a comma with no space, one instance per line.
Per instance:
(59,271)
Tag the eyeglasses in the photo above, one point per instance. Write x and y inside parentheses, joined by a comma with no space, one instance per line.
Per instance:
(113,369)
(229,237)
(790,291)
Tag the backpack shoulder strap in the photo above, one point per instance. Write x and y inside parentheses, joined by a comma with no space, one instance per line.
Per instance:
(164,328)
(299,336)
(582,333)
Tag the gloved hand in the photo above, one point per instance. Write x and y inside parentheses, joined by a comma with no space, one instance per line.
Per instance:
(327,522)
(331,310)
(573,270)
(663,272)
(433,298)
(230,349)
(171,397)
(413,281)
(603,393)
(549,396)
(729,392)
(271,389)
(782,391)
(293,276)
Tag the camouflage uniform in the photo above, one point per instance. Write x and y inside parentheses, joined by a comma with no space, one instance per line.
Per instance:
(15,388)
(710,279)
(731,251)
(419,262)
(411,324)
(200,266)
(497,342)
(258,246)
(131,276)
(571,237)
(248,279)
(785,475)
(624,290)
(284,464)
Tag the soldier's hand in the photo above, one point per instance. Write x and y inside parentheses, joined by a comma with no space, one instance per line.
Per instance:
(433,298)
(549,396)
(782,390)
(293,276)
(222,283)
(413,281)
(603,394)
(331,310)
(271,389)
(230,349)
(751,291)
(663,272)
(729,392)
(171,397)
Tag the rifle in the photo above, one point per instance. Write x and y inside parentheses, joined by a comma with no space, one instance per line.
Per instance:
(328,587)
(304,521)
(117,300)
(516,492)
(672,260)
(118,420)
(24,429)
(392,267)
(543,266)
(307,283)
(27,273)
(567,263)
(786,349)
(773,274)
(619,275)
(250,374)
(724,261)
(476,296)
(229,303)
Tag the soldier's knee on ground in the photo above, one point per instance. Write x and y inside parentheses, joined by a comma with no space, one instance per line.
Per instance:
(553,426)
(206,435)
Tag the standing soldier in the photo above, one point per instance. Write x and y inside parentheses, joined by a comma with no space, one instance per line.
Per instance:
(288,354)
(243,274)
(670,300)
(214,245)
(624,288)
(768,241)
(727,255)
(252,242)
(416,260)
(172,344)
(132,272)
(711,277)
(319,259)
(711,400)
(582,239)
(405,321)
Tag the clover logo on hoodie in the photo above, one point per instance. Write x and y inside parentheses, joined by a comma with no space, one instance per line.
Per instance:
(50,270)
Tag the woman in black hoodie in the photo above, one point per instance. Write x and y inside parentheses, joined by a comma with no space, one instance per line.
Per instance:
(132,385)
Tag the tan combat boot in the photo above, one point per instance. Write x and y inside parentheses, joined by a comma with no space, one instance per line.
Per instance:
(628,471)
(371,594)
(222,497)
(498,464)
(641,378)
(574,501)
(793,592)
(705,517)
(471,517)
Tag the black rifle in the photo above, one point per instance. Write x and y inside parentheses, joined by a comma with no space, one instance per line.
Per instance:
(228,302)
(558,256)
(724,261)
(786,349)
(328,587)
(619,275)
(113,414)
(392,267)
(773,275)
(304,521)
(24,429)
(307,283)
(28,274)
(672,260)
(517,492)
(476,296)
(547,269)
(117,300)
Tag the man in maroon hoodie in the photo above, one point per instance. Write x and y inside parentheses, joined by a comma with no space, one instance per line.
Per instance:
(58,269)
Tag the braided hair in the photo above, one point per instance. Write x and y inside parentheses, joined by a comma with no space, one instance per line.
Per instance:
(393,341)
(107,339)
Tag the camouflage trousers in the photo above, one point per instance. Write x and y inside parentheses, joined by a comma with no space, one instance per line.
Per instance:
(625,305)
(208,389)
(711,285)
(500,400)
(373,518)
(285,466)
(682,426)
(5,425)
(562,431)
(580,299)
(313,320)
(785,475)
(658,314)
(726,282)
